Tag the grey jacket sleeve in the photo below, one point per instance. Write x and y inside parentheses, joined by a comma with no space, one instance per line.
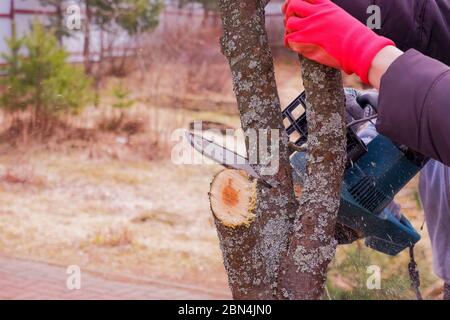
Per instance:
(414,105)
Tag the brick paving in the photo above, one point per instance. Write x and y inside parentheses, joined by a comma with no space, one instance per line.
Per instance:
(23,279)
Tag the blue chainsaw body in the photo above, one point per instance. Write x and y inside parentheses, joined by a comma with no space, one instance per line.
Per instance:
(370,184)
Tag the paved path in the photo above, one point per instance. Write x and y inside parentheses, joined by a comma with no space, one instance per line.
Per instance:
(23,279)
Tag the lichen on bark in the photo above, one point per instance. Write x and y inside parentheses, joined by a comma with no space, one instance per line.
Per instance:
(252,255)
(313,245)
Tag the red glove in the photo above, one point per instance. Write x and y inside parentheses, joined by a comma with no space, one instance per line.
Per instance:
(323,32)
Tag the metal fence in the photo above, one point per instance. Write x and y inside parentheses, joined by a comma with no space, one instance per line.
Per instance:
(22,13)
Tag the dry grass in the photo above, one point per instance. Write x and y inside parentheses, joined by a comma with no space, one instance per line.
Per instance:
(114,236)
(21,174)
(117,216)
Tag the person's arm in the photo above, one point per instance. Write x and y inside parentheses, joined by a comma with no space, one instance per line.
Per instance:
(381,63)
(414,105)
(423,25)
(414,95)
(414,102)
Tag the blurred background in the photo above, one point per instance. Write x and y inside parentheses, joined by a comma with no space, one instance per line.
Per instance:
(87,111)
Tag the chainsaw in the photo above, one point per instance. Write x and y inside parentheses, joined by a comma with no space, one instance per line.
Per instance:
(375,173)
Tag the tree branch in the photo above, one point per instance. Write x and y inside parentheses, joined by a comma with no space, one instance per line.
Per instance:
(313,244)
(252,254)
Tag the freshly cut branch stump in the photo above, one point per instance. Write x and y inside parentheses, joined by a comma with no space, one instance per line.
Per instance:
(233,198)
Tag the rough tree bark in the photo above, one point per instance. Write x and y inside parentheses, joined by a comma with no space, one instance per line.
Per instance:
(313,246)
(252,253)
(278,250)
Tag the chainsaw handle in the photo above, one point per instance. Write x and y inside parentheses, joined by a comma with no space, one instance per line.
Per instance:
(368,99)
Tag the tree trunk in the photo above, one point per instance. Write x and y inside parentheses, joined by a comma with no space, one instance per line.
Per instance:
(252,253)
(87,39)
(271,248)
(12,14)
(313,245)
(60,23)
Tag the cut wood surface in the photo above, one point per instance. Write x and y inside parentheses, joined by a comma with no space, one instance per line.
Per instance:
(233,198)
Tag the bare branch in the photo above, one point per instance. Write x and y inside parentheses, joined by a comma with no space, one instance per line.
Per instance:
(252,255)
(313,244)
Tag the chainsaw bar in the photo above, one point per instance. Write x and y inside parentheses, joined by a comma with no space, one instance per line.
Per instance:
(223,156)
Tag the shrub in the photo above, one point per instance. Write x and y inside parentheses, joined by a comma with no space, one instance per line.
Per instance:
(42,79)
(12,98)
(122,96)
(122,102)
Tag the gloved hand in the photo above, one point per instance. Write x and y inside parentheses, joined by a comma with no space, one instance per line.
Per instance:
(323,32)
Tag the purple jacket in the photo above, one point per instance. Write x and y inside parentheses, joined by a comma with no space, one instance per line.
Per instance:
(414,106)
(415,91)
